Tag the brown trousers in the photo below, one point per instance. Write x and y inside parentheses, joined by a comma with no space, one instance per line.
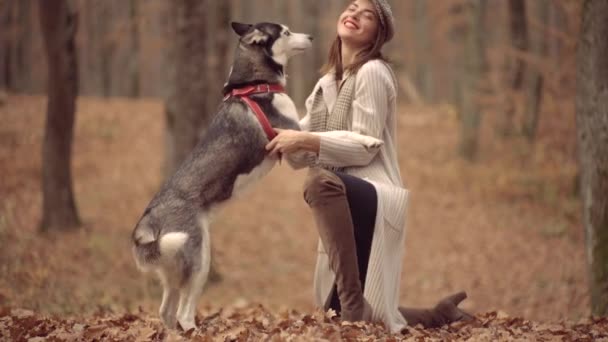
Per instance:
(344,209)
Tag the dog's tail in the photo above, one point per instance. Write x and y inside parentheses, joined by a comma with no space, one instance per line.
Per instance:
(145,247)
(149,250)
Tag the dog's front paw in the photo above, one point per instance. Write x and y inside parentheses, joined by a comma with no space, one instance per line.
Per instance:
(187,324)
(169,320)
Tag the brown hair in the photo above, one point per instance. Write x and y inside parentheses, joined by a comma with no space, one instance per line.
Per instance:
(334,59)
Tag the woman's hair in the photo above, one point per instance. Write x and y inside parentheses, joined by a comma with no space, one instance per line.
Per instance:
(334,60)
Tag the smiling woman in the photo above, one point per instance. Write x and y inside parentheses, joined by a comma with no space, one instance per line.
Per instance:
(361,30)
(365,26)
(354,185)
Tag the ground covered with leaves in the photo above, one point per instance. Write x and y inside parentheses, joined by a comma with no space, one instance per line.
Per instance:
(505,228)
(247,323)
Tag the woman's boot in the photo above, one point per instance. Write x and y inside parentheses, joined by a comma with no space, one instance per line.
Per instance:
(325,193)
(445,312)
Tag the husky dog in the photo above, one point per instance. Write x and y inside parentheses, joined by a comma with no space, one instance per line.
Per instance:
(172,236)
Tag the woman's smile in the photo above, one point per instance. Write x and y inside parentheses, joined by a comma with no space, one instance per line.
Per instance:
(351,24)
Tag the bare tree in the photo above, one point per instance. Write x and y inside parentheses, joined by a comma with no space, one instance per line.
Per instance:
(186,107)
(5,46)
(536,79)
(58,22)
(16,45)
(518,25)
(423,71)
(456,34)
(592,127)
(218,38)
(474,67)
(107,46)
(223,35)
(317,56)
(24,45)
(134,88)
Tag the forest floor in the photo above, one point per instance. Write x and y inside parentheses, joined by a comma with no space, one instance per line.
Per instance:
(505,228)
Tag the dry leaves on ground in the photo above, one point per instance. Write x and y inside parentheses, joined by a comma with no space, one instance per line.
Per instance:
(256,323)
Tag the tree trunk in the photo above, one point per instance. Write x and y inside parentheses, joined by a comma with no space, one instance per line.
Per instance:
(592,127)
(15,33)
(23,46)
(474,66)
(5,45)
(518,24)
(218,36)
(58,22)
(535,84)
(317,57)
(89,54)
(423,72)
(457,38)
(186,107)
(223,34)
(108,47)
(409,89)
(247,8)
(297,69)
(134,88)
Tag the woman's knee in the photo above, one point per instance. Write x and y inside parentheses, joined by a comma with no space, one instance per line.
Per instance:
(322,183)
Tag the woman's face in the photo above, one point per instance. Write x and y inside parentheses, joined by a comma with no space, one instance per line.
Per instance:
(358,24)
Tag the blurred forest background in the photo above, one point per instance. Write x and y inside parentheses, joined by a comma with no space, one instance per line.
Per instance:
(527,48)
(487,143)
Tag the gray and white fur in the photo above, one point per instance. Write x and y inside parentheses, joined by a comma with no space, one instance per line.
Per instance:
(172,236)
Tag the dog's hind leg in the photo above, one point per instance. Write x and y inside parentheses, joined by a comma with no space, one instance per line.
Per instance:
(188,299)
(193,287)
(168,307)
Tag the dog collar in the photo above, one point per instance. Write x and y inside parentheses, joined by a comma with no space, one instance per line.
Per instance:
(255,89)
(245,92)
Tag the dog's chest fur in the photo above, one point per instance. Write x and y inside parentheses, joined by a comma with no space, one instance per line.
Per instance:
(284,105)
(280,111)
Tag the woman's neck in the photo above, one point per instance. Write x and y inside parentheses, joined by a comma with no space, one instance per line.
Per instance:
(349,54)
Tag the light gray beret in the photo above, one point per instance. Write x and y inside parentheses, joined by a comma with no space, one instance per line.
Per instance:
(386,17)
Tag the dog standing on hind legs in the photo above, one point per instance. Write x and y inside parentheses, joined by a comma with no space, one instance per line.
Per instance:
(172,236)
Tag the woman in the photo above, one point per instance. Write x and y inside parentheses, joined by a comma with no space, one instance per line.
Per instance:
(353,186)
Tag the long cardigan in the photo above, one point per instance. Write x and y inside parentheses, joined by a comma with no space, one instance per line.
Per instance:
(368,151)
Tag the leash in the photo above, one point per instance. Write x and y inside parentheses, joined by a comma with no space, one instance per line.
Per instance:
(245,93)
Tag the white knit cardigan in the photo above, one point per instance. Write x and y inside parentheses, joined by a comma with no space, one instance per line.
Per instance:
(368,151)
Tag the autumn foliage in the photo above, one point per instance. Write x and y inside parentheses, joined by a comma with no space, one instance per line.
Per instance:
(256,323)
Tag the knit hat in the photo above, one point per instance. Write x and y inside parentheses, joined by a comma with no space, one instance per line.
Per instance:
(386,17)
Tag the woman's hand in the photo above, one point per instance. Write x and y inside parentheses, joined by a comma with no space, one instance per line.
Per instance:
(289,141)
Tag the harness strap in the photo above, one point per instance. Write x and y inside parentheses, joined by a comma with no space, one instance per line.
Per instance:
(245,92)
(270,133)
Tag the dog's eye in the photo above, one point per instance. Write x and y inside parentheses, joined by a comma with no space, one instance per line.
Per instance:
(287,33)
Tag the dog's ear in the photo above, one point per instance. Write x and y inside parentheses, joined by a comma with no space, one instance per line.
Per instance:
(255,37)
(240,28)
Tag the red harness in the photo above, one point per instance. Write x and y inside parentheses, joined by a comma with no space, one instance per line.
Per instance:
(245,92)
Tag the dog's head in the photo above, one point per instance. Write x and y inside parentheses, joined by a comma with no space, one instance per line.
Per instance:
(276,40)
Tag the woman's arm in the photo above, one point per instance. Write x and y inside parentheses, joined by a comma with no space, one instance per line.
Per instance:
(374,89)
